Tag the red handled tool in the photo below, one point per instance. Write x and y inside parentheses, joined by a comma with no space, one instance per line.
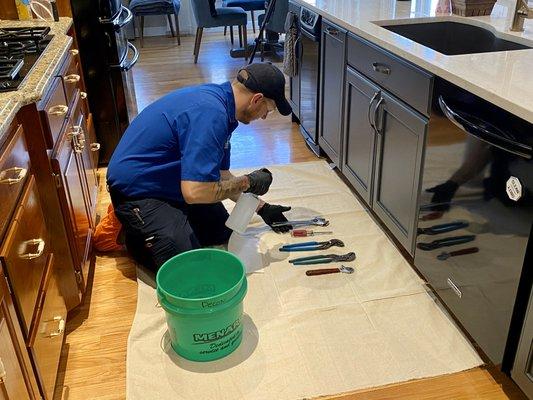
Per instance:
(305,232)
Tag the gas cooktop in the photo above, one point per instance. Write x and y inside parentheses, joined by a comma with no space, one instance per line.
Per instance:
(20,48)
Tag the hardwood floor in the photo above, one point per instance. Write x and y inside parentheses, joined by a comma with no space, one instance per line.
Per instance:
(93,359)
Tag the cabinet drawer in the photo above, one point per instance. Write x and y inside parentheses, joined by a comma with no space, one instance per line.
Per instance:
(48,335)
(14,166)
(406,81)
(25,252)
(54,112)
(71,78)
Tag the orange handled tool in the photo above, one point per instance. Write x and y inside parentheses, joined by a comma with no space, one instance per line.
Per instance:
(305,232)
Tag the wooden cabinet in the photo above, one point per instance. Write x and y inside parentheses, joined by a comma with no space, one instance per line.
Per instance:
(17,381)
(69,163)
(47,338)
(14,167)
(360,136)
(401,133)
(24,254)
(332,85)
(48,188)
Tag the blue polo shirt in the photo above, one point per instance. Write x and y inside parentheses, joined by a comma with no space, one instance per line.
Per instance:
(182,136)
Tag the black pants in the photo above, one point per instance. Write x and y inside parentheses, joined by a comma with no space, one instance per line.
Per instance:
(157,230)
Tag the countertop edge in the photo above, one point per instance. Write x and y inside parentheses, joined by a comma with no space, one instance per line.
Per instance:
(510,106)
(34,86)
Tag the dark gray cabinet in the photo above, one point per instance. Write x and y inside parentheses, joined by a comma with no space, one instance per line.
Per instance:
(332,84)
(400,142)
(384,136)
(360,136)
(522,372)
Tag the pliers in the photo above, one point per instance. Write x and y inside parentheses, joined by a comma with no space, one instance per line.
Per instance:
(323,259)
(309,246)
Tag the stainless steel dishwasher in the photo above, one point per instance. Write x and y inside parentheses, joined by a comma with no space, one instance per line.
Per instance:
(476,213)
(309,47)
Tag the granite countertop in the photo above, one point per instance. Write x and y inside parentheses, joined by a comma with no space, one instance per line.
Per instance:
(33,87)
(503,78)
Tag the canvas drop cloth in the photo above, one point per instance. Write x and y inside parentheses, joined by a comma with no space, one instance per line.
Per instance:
(307,336)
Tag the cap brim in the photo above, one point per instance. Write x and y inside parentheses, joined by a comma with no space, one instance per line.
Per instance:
(283,106)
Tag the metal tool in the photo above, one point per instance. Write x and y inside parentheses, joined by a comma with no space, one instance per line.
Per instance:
(318,221)
(323,259)
(309,246)
(344,269)
(442,228)
(450,241)
(445,255)
(305,233)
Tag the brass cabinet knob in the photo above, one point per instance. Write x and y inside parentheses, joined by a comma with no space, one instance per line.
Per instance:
(72,78)
(59,109)
(18,174)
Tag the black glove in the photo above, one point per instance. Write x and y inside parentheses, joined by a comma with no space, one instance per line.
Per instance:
(442,195)
(272,213)
(260,181)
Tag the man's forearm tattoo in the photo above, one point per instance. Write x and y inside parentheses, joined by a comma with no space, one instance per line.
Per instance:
(232,187)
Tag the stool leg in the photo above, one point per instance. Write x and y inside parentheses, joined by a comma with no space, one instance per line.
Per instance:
(240,35)
(177,21)
(142,30)
(253,20)
(262,41)
(245,42)
(231,34)
(170,24)
(225,30)
(197,43)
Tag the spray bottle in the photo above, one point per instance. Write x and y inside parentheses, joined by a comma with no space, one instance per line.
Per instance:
(242,213)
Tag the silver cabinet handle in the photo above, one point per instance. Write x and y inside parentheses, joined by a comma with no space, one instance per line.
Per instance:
(376,94)
(32,242)
(382,68)
(72,78)
(95,146)
(59,109)
(376,110)
(74,52)
(18,172)
(60,327)
(83,95)
(332,31)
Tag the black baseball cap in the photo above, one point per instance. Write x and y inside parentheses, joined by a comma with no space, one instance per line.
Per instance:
(267,79)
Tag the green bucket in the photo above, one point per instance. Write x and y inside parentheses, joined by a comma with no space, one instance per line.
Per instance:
(201,292)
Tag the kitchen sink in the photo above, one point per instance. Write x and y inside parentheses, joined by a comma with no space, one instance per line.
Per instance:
(453,38)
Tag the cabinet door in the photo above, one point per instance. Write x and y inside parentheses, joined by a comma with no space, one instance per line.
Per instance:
(15,383)
(333,41)
(401,135)
(48,337)
(359,135)
(68,164)
(24,254)
(87,167)
(522,371)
